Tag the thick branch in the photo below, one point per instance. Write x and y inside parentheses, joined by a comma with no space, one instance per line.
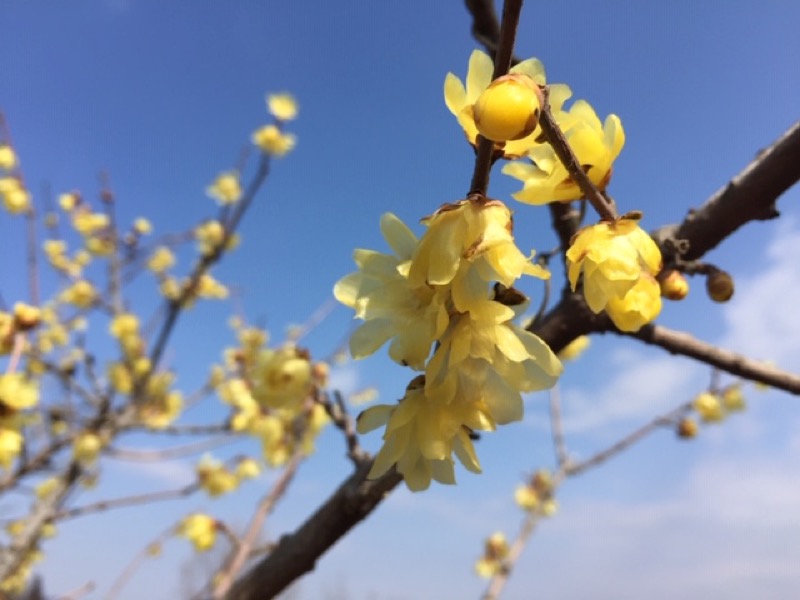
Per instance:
(679,342)
(749,196)
(297,553)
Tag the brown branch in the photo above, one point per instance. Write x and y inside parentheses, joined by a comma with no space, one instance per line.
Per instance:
(126,501)
(297,553)
(679,342)
(502,61)
(749,196)
(244,550)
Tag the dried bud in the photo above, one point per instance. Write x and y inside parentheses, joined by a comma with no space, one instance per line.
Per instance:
(719,286)
(509,108)
(674,285)
(687,428)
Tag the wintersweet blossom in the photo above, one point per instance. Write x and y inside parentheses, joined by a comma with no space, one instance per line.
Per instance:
(495,553)
(509,108)
(200,529)
(16,199)
(422,434)
(596,146)
(8,159)
(612,256)
(17,392)
(10,444)
(273,141)
(282,377)
(282,106)
(412,315)
(709,407)
(226,189)
(214,477)
(639,306)
(461,101)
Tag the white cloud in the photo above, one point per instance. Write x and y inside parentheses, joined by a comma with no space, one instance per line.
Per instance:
(762,319)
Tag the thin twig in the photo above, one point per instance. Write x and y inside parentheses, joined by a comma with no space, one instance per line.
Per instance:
(244,549)
(556,427)
(126,501)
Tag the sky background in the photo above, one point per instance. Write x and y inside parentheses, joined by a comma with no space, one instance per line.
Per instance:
(163,96)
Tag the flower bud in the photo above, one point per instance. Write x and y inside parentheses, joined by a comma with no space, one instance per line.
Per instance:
(719,286)
(687,428)
(509,108)
(674,285)
(732,398)
(708,407)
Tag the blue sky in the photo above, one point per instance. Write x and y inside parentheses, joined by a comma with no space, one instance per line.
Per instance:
(164,96)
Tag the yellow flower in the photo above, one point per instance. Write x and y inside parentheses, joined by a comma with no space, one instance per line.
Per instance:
(88,223)
(17,392)
(69,201)
(575,348)
(640,305)
(209,236)
(161,410)
(674,285)
(422,433)
(489,365)
(86,447)
(612,257)
(495,552)
(708,406)
(469,245)
(509,108)
(120,377)
(81,294)
(161,259)
(26,317)
(732,398)
(273,141)
(47,487)
(248,468)
(214,477)
(142,226)
(282,378)
(16,198)
(380,292)
(282,106)
(208,287)
(526,498)
(595,145)
(200,529)
(461,101)
(10,445)
(8,159)
(226,188)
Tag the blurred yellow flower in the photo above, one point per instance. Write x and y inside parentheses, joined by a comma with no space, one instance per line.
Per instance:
(16,199)
(200,529)
(495,552)
(214,477)
(142,226)
(226,188)
(8,159)
(708,406)
(282,106)
(18,392)
(273,141)
(161,259)
(86,447)
(596,146)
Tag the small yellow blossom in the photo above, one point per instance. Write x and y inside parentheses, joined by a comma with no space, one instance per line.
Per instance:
(214,477)
(575,348)
(47,487)
(494,555)
(687,428)
(461,101)
(124,324)
(88,223)
(674,285)
(86,447)
(200,529)
(596,146)
(208,287)
(282,106)
(273,141)
(612,258)
(142,226)
(100,245)
(8,159)
(226,188)
(81,294)
(10,445)
(16,198)
(526,498)
(209,236)
(69,201)
(26,317)
(17,392)
(282,377)
(640,305)
(709,407)
(248,468)
(170,288)
(509,108)
(733,398)
(161,410)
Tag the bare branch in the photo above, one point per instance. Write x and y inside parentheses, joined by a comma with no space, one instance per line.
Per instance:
(679,342)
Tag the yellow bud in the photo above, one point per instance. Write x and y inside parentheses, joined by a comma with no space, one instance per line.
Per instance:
(26,316)
(708,407)
(732,398)
(674,285)
(719,286)
(509,108)
(687,428)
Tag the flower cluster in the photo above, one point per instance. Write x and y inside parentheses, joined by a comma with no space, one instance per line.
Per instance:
(441,289)
(495,553)
(619,263)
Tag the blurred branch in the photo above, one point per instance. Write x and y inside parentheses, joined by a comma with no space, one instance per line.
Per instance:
(679,342)
(244,550)
(126,501)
